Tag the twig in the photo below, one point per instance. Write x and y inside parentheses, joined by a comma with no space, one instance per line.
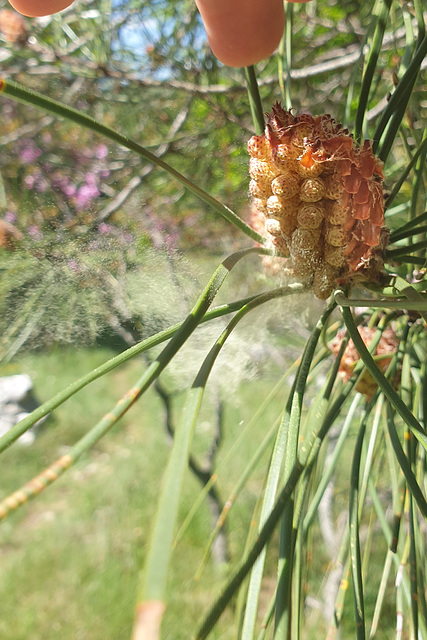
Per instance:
(134,183)
(27,129)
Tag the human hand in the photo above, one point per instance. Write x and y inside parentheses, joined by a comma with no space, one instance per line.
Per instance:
(240,32)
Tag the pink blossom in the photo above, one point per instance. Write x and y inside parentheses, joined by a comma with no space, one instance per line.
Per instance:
(86,193)
(101,151)
(30,181)
(9,216)
(29,153)
(34,232)
(90,178)
(73,265)
(104,228)
(69,190)
(128,237)
(63,184)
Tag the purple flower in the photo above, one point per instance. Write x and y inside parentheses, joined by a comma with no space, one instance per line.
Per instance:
(69,190)
(73,265)
(86,193)
(10,217)
(62,183)
(101,151)
(105,228)
(30,181)
(128,237)
(34,232)
(91,179)
(30,152)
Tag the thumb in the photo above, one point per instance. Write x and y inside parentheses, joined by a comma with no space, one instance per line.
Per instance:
(242,32)
(33,8)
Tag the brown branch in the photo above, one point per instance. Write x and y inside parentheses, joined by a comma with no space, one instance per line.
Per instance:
(135,182)
(27,129)
(341,58)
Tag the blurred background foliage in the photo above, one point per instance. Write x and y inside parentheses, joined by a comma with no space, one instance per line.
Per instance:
(87,209)
(83,210)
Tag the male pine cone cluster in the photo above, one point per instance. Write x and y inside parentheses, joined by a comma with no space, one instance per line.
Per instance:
(320,196)
(384,353)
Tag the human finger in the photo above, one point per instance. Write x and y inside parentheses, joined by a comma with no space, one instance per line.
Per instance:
(242,32)
(35,8)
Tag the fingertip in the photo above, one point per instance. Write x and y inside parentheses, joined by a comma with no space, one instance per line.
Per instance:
(245,52)
(37,8)
(242,32)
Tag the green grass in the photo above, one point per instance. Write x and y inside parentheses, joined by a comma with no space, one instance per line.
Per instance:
(71,557)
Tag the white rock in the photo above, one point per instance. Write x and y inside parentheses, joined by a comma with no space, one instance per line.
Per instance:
(14,388)
(16,403)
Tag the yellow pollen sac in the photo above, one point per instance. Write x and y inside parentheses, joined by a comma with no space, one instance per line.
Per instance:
(291,207)
(288,226)
(301,133)
(281,245)
(304,264)
(324,280)
(286,185)
(305,239)
(273,227)
(258,147)
(261,204)
(261,169)
(312,190)
(334,256)
(335,213)
(336,236)
(333,188)
(285,154)
(310,216)
(260,189)
(276,206)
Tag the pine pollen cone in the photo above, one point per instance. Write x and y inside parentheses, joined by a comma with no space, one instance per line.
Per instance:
(319,195)
(384,352)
